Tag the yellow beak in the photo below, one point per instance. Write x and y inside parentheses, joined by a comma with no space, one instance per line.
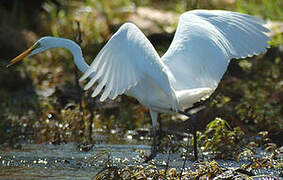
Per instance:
(20,57)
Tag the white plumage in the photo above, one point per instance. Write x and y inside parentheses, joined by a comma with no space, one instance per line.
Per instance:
(189,71)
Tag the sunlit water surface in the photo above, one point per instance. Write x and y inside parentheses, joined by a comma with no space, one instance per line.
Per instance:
(66,161)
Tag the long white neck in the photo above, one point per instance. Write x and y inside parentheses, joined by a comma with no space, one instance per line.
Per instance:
(73,48)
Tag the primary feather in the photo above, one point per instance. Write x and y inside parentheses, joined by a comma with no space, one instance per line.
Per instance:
(204,43)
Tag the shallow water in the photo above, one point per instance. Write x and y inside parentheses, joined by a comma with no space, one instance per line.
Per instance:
(37,161)
(46,161)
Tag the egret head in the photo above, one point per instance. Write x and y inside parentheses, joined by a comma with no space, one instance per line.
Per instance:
(41,45)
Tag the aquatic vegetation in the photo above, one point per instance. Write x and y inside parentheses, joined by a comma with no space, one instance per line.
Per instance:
(252,154)
(201,170)
(221,140)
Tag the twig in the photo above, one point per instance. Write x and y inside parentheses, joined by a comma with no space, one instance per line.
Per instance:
(78,40)
(79,37)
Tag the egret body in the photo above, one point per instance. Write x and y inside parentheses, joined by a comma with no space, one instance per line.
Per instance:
(204,43)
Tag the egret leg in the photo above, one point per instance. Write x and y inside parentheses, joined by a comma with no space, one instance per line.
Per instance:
(195,144)
(154,116)
(193,127)
(160,132)
(153,147)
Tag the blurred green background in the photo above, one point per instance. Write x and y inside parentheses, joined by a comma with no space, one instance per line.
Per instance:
(41,100)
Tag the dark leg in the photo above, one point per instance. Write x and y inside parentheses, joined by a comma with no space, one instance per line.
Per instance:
(195,145)
(193,127)
(153,147)
(154,117)
(160,132)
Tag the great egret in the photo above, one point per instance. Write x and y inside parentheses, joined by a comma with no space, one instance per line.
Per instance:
(204,43)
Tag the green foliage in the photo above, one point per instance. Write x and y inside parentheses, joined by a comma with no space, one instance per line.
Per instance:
(220,139)
(267,9)
(112,10)
(260,101)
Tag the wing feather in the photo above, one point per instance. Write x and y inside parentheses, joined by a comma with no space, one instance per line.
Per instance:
(114,85)
(114,93)
(109,86)
(123,62)
(206,40)
(97,75)
(104,79)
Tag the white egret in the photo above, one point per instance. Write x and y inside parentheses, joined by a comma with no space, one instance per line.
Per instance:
(204,43)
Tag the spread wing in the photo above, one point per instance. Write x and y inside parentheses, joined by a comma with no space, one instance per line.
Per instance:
(123,62)
(204,43)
